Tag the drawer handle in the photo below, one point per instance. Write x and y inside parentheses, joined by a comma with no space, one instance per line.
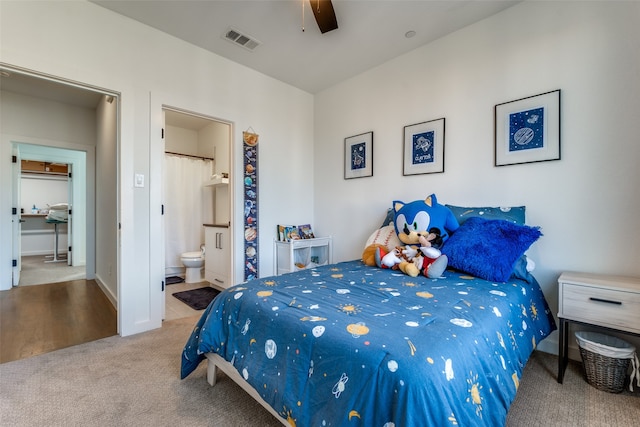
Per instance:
(605,300)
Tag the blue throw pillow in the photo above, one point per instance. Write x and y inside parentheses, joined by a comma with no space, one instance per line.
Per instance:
(489,249)
(515,214)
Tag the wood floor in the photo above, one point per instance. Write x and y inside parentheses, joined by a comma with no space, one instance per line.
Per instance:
(42,318)
(37,319)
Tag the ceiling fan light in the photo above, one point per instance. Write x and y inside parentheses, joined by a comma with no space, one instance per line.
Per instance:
(324,14)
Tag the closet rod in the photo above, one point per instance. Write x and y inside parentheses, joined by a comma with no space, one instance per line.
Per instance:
(189,155)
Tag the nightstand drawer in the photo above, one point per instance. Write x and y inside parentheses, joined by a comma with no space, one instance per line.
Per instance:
(606,307)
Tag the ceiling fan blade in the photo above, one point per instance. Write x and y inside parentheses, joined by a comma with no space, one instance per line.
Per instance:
(324,14)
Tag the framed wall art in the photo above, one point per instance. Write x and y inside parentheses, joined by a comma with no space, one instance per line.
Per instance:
(424,148)
(358,156)
(527,130)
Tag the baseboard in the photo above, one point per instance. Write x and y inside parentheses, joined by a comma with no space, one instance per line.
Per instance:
(110,296)
(174,271)
(550,345)
(40,253)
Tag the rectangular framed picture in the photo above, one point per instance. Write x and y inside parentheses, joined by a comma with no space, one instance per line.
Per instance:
(527,130)
(424,148)
(358,156)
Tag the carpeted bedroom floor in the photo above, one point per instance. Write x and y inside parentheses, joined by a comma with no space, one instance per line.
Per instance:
(135,381)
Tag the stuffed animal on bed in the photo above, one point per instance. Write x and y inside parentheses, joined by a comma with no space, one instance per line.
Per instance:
(423,226)
(369,253)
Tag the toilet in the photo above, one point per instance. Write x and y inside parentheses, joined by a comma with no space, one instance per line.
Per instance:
(193,262)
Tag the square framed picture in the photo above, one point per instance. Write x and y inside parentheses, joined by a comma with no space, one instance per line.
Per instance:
(424,148)
(358,156)
(527,130)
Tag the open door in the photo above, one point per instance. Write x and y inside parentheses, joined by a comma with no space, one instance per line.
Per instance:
(16,217)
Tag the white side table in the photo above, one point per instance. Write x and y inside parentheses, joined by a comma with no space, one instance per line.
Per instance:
(301,254)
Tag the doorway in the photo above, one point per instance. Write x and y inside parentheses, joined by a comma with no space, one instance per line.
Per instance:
(52,242)
(51,120)
(196,149)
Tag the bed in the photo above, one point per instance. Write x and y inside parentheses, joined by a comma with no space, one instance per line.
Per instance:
(350,344)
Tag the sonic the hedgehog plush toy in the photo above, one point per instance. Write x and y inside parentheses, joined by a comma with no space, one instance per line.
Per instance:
(423,226)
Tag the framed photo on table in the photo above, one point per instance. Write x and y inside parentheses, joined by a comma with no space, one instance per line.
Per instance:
(424,148)
(358,156)
(528,130)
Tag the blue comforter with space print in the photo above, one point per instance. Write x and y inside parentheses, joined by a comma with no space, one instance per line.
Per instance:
(347,344)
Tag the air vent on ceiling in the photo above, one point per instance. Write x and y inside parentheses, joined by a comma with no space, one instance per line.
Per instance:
(237,37)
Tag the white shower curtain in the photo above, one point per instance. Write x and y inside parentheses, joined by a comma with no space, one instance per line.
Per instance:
(187,205)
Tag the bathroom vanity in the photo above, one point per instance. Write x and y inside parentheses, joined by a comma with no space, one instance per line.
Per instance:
(217,255)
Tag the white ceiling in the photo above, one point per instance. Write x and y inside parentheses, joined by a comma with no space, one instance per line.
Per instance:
(25,84)
(369,32)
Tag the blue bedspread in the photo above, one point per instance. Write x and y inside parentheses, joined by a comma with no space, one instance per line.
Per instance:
(347,344)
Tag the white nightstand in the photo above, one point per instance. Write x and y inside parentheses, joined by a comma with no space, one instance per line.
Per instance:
(611,302)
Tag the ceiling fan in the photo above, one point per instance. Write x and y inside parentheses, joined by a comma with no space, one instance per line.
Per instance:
(324,14)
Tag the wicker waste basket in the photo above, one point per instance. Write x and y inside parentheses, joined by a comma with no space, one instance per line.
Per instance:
(605,359)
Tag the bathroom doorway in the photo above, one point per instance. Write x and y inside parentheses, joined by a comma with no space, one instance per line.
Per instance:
(196,151)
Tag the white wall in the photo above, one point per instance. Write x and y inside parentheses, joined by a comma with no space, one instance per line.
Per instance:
(181,140)
(44,119)
(218,134)
(105,232)
(41,191)
(587,203)
(89,44)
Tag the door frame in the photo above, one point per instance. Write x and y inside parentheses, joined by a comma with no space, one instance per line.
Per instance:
(156,190)
(78,156)
(6,144)
(16,222)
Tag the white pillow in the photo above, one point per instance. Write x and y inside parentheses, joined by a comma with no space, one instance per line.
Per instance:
(384,236)
(59,207)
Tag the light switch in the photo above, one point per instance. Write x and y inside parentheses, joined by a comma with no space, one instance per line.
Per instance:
(139,180)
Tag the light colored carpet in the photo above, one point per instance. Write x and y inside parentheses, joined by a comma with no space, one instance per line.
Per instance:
(135,381)
(131,381)
(541,401)
(36,272)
